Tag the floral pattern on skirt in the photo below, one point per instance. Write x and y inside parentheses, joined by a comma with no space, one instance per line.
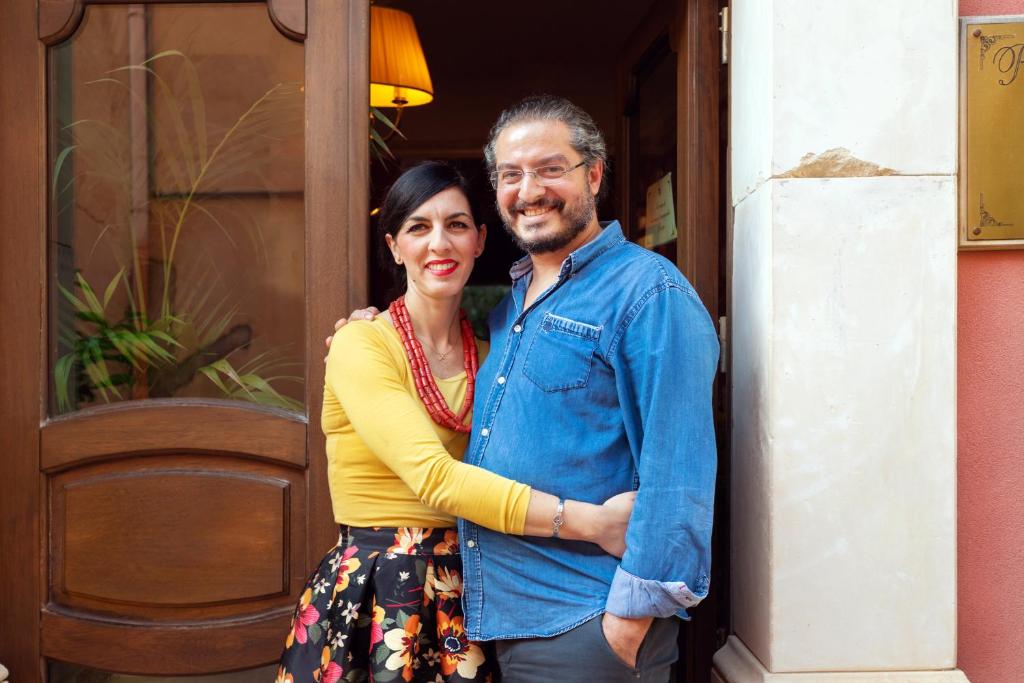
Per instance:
(384,605)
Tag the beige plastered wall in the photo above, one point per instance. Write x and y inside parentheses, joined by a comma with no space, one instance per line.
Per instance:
(843,152)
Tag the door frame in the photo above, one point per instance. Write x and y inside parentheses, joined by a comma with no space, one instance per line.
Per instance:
(22,203)
(336,35)
(702,251)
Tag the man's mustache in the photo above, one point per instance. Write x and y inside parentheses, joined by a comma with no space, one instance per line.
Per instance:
(543,203)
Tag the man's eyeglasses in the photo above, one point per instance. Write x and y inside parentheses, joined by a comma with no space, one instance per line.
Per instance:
(544,176)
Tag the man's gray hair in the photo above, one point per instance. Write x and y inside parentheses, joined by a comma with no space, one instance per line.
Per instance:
(584,135)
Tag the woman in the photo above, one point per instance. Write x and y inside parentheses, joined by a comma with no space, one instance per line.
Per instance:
(385,602)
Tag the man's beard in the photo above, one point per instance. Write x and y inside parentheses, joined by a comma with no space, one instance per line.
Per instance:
(577,217)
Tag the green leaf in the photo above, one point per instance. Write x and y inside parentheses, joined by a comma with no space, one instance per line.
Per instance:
(90,296)
(256,382)
(166,53)
(90,317)
(214,377)
(130,67)
(212,330)
(75,301)
(226,368)
(379,141)
(61,377)
(380,116)
(121,378)
(198,105)
(132,345)
(118,341)
(249,386)
(97,372)
(109,292)
(66,337)
(59,163)
(164,337)
(102,80)
(155,349)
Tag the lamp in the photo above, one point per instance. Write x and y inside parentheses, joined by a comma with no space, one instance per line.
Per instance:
(398,69)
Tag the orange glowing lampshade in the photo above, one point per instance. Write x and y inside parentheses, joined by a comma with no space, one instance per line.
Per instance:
(398,69)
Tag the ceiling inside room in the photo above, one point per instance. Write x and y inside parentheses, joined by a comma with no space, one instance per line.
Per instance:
(483,56)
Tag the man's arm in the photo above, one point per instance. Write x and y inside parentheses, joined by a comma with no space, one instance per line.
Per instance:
(665,360)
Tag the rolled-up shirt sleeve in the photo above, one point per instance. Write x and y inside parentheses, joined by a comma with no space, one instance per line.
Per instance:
(665,358)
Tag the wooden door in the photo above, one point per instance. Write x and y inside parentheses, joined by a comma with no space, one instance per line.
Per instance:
(672,92)
(183,213)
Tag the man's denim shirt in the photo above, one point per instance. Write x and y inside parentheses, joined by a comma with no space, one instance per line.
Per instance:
(602,386)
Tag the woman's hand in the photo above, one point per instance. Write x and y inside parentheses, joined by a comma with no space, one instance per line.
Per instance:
(603,525)
(615,513)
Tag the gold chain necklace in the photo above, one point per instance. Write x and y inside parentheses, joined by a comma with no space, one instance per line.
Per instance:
(440,356)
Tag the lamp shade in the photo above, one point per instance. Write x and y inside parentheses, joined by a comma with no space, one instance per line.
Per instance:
(398,69)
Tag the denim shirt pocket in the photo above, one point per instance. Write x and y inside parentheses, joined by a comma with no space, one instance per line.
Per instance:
(561,354)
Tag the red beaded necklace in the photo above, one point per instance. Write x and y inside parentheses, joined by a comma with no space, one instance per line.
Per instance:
(426,385)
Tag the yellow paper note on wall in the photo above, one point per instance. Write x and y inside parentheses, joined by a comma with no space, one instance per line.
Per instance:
(661,213)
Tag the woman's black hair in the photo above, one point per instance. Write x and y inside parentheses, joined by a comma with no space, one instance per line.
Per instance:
(412,189)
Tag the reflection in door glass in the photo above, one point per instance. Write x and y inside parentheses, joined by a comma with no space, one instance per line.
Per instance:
(176,212)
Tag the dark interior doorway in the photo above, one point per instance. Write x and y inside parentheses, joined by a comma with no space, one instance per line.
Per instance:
(650,74)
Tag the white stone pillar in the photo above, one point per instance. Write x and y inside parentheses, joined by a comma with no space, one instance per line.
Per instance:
(844,151)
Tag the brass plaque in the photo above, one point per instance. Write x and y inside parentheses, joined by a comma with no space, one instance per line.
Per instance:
(992,133)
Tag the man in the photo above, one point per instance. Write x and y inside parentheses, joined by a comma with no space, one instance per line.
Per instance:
(598,380)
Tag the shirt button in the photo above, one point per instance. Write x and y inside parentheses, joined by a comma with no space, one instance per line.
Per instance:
(485,431)
(471,543)
(501,380)
(517,328)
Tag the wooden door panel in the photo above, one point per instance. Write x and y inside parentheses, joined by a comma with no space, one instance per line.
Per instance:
(177,526)
(161,536)
(173,549)
(168,424)
(164,650)
(59,19)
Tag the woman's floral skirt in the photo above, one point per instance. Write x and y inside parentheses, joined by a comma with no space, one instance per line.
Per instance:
(384,605)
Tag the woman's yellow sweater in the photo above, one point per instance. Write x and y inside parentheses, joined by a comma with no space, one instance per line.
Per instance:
(388,462)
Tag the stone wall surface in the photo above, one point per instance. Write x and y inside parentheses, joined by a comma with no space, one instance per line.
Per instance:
(831,78)
(844,336)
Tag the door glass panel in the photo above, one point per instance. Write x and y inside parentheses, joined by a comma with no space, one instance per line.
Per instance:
(176,239)
(652,134)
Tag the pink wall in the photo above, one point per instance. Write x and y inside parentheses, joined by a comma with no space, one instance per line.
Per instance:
(990,482)
(971,8)
(990,442)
